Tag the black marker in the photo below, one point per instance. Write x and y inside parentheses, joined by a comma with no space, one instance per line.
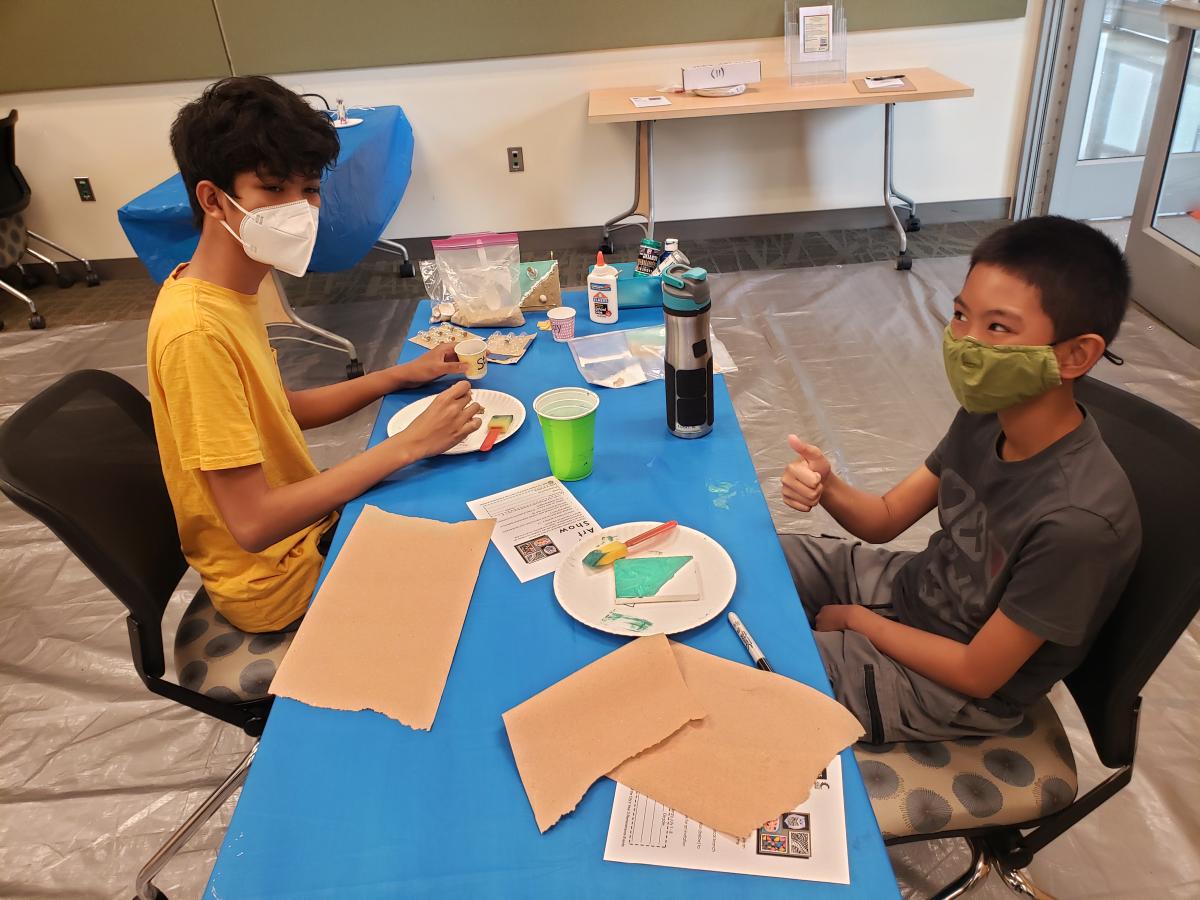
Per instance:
(751,647)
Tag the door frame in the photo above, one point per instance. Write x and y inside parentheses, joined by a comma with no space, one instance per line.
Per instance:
(1166,274)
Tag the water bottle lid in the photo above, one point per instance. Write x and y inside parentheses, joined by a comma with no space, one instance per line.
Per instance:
(676,274)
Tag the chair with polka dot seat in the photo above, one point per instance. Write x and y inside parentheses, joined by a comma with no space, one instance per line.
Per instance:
(14,198)
(1010,795)
(15,237)
(81,457)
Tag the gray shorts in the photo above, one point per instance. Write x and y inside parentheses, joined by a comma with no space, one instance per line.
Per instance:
(892,702)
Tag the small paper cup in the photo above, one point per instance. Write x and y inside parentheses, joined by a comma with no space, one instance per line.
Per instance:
(474,354)
(562,323)
(568,420)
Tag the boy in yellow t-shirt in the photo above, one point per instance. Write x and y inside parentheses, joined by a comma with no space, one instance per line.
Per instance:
(251,507)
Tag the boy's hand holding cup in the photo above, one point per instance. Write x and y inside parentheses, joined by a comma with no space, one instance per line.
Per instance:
(804,479)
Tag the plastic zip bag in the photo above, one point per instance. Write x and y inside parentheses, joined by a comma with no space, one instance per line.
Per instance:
(479,276)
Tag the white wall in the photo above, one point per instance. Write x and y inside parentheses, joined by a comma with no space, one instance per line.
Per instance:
(465,114)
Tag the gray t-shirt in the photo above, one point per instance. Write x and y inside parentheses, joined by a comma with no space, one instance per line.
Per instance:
(1050,541)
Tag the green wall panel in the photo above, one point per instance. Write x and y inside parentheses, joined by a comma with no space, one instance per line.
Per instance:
(313,35)
(73,43)
(79,43)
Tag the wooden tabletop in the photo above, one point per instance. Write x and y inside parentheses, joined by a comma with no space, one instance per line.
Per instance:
(771,95)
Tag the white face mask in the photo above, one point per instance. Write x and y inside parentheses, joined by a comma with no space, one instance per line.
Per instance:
(282,236)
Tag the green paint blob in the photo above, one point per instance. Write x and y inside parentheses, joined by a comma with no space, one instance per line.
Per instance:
(645,576)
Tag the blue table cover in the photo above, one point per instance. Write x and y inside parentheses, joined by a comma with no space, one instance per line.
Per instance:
(354,804)
(359,196)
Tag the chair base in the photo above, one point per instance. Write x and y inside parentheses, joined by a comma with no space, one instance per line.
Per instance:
(144,888)
(983,861)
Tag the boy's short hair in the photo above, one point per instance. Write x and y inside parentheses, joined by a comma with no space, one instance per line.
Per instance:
(249,124)
(1079,273)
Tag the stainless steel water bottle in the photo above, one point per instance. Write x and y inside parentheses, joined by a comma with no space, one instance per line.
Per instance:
(689,376)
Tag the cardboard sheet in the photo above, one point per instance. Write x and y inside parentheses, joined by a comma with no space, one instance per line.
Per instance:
(578,730)
(382,630)
(763,743)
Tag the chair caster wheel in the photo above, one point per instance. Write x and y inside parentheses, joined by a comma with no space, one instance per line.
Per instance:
(904,261)
(36,322)
(407,269)
(606,246)
(913,225)
(354,369)
(92,279)
(63,280)
(29,280)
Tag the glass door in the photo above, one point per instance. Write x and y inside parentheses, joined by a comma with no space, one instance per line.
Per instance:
(1164,234)
(1110,105)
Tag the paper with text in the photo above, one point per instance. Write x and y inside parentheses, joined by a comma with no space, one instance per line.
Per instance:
(807,843)
(645,102)
(536,525)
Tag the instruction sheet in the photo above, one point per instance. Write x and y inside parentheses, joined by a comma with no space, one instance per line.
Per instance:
(807,843)
(536,524)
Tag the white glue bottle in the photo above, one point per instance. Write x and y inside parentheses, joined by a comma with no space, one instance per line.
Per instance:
(602,292)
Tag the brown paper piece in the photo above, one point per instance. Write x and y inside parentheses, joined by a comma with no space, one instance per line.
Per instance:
(382,630)
(763,743)
(574,732)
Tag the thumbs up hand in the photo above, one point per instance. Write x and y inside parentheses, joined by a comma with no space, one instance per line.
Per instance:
(804,480)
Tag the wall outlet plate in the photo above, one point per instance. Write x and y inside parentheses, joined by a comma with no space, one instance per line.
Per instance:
(516,159)
(84,186)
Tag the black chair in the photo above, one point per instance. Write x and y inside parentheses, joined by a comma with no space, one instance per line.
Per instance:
(81,457)
(14,236)
(1011,795)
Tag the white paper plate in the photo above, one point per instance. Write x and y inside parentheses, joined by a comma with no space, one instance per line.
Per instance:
(588,595)
(349,123)
(494,403)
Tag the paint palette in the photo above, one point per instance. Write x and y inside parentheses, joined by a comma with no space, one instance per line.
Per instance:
(589,595)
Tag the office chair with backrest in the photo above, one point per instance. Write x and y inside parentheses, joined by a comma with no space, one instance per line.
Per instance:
(81,456)
(1012,794)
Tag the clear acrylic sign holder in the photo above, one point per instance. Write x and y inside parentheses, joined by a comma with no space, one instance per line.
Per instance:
(814,38)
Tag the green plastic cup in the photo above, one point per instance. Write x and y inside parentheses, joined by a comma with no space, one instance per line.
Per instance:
(568,419)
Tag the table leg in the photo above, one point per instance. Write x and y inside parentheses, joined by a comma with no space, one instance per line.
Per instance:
(643,189)
(278,311)
(903,260)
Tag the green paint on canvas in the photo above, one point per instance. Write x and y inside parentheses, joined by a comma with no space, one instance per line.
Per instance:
(644,576)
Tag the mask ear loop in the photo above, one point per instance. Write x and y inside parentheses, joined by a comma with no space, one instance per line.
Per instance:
(1113,358)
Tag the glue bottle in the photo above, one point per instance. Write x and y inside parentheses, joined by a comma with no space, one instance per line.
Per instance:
(602,292)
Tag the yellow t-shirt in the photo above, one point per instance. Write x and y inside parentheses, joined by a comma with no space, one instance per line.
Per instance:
(219,403)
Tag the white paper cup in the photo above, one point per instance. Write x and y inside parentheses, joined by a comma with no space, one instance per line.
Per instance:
(562,323)
(474,354)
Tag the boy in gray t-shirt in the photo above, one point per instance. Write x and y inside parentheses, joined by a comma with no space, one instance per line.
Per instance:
(1039,528)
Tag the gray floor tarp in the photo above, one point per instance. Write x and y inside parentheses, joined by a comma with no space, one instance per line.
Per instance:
(95,772)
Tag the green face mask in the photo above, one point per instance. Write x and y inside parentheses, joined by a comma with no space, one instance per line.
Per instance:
(987,378)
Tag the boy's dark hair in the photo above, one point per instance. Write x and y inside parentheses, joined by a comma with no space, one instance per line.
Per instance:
(1080,274)
(249,124)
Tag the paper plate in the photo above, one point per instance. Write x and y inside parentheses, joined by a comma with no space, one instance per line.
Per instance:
(494,403)
(588,595)
(349,123)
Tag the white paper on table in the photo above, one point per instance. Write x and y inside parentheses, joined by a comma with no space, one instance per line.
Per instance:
(876,83)
(643,102)
(536,524)
(644,831)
